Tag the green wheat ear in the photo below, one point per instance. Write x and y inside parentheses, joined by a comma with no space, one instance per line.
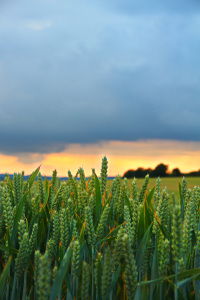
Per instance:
(54,272)
(92,182)
(134,204)
(134,188)
(163,250)
(64,229)
(75,258)
(184,188)
(130,268)
(104,169)
(75,231)
(120,203)
(188,225)
(70,208)
(82,178)
(22,256)
(98,265)
(33,236)
(106,276)
(102,224)
(57,201)
(16,186)
(128,225)
(73,185)
(8,212)
(143,189)
(196,196)
(44,277)
(50,247)
(89,227)
(118,249)
(21,230)
(36,270)
(177,233)
(56,229)
(85,282)
(161,211)
(92,204)
(40,188)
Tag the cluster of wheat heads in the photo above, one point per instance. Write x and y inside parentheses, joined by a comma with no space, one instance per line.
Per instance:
(79,240)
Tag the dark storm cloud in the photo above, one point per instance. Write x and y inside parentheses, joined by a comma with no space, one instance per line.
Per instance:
(85,72)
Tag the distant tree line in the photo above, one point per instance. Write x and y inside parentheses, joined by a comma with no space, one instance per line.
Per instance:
(160,170)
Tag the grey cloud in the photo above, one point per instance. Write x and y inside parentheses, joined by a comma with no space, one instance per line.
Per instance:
(26,158)
(97,74)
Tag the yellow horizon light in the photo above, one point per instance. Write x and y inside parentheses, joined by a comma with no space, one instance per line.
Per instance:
(121,156)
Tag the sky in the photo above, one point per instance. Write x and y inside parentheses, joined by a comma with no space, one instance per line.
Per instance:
(84,79)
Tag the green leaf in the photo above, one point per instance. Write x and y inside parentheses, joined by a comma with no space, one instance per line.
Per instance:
(33,221)
(141,225)
(33,177)
(60,252)
(70,294)
(4,248)
(112,234)
(150,195)
(107,200)
(154,269)
(82,252)
(144,292)
(82,238)
(9,240)
(127,202)
(184,274)
(80,220)
(141,248)
(148,215)
(162,228)
(99,281)
(183,282)
(180,295)
(57,285)
(44,218)
(197,265)
(71,229)
(180,194)
(5,273)
(98,199)
(40,233)
(145,220)
(154,280)
(114,281)
(47,191)
(10,184)
(46,185)
(17,218)
(188,273)
(138,293)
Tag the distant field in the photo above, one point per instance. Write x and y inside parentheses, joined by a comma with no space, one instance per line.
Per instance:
(170,183)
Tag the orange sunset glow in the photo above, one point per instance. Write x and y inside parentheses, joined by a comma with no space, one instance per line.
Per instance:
(121,157)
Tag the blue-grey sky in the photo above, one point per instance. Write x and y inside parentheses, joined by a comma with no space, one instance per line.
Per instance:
(90,71)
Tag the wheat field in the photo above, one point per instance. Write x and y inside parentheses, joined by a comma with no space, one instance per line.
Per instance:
(99,239)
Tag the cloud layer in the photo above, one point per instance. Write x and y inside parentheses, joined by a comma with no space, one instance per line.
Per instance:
(90,71)
(121,157)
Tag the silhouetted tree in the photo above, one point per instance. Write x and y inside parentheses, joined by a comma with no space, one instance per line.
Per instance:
(140,172)
(160,170)
(176,172)
(129,174)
